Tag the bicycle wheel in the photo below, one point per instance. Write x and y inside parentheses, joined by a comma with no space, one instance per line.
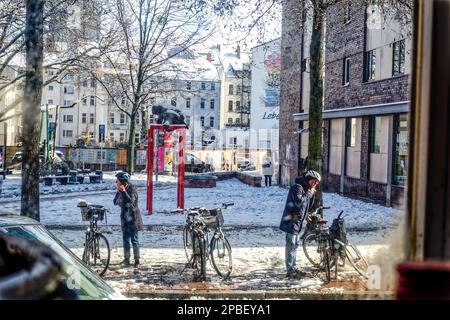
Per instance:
(221,256)
(356,259)
(199,258)
(326,264)
(97,254)
(187,243)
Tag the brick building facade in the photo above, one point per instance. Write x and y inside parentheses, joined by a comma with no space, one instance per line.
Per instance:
(366,101)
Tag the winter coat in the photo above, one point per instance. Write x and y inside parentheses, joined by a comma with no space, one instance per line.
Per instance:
(130,215)
(297,205)
(267,167)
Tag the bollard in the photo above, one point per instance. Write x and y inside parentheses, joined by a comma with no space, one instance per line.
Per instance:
(100,174)
(73,176)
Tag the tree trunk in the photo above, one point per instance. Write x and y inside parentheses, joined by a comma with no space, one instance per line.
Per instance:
(31,108)
(131,144)
(316,96)
(144,125)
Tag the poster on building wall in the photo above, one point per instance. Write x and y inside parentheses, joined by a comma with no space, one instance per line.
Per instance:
(89,156)
(141,157)
(272,64)
(111,156)
(122,156)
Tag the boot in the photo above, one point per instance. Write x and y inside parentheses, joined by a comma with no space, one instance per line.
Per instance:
(125,262)
(136,263)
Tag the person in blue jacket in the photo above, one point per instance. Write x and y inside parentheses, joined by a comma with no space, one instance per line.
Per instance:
(300,198)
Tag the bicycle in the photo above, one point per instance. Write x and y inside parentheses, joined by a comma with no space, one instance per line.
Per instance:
(327,247)
(198,248)
(96,253)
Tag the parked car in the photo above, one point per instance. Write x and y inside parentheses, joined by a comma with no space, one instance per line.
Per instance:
(194,164)
(87,284)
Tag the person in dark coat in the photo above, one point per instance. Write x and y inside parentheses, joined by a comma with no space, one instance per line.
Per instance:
(130,216)
(300,198)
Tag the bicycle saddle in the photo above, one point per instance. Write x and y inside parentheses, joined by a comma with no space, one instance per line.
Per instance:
(323,221)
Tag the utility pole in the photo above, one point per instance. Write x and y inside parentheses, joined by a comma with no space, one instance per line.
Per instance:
(5,141)
(54,134)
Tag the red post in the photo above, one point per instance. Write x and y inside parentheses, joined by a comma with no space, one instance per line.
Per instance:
(150,153)
(150,158)
(181,169)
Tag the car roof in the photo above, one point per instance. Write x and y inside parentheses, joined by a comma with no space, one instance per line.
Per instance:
(8,219)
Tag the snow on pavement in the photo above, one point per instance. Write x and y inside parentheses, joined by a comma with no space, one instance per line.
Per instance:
(260,207)
(258,262)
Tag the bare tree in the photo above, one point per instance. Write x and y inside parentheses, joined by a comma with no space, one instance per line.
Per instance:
(34,44)
(147,35)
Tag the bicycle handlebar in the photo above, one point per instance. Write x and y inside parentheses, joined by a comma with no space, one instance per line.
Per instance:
(227,204)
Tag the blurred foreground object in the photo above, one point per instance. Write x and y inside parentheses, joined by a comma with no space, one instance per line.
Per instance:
(423,280)
(29,270)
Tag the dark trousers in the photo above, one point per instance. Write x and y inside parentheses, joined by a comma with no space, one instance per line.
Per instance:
(130,236)
(268,180)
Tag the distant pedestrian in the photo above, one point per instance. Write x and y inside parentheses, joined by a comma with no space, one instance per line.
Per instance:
(268,171)
(300,198)
(130,217)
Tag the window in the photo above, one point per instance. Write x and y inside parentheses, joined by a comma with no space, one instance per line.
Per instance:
(188,120)
(347,11)
(50,88)
(67,133)
(398,58)
(350,131)
(238,120)
(152,100)
(93,83)
(92,101)
(375,135)
(230,120)
(83,118)
(203,86)
(68,103)
(230,106)
(111,117)
(211,103)
(202,121)
(69,90)
(188,85)
(91,135)
(238,106)
(238,89)
(69,77)
(122,137)
(136,138)
(50,72)
(346,72)
(230,89)
(213,86)
(91,118)
(84,102)
(68,118)
(211,122)
(400,152)
(174,101)
(122,118)
(111,136)
(84,83)
(202,104)
(370,65)
(50,116)
(50,101)
(188,103)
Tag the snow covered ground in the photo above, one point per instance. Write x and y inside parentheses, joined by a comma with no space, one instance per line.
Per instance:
(251,226)
(258,262)
(260,207)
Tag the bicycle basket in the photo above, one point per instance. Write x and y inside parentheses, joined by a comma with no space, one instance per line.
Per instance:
(89,210)
(338,230)
(212,218)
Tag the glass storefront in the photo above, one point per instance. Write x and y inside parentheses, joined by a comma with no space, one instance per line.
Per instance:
(400,149)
